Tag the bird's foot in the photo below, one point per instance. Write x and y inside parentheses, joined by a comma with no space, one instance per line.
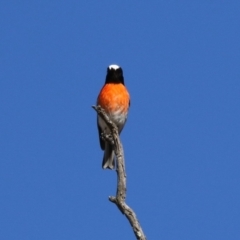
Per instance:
(107,137)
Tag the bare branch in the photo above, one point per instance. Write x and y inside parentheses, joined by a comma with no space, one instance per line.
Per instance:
(119,200)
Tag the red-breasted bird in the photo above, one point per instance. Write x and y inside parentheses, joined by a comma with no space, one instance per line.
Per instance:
(115,100)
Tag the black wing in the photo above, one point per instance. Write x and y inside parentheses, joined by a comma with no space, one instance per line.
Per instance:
(101,141)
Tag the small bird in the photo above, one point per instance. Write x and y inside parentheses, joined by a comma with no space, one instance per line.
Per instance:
(115,100)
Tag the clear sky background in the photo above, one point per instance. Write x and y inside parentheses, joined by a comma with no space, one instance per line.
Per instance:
(181,62)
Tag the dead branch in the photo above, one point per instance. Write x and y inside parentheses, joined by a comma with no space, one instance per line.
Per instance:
(120,197)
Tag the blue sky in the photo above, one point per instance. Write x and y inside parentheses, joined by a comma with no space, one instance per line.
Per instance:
(181,141)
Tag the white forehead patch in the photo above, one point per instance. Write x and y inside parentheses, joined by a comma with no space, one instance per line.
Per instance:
(114,66)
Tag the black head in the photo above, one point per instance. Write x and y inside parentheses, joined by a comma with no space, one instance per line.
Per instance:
(114,74)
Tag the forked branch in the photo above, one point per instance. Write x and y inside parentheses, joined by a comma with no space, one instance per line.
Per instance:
(120,197)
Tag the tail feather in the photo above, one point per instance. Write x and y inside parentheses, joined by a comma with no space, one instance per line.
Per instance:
(108,157)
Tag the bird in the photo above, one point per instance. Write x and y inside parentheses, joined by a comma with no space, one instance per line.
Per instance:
(114,98)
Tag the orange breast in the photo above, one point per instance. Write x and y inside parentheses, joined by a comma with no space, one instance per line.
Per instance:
(114,97)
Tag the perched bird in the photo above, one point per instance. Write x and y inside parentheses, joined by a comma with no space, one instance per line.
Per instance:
(115,100)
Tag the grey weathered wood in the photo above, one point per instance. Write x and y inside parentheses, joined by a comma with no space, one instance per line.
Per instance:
(120,197)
